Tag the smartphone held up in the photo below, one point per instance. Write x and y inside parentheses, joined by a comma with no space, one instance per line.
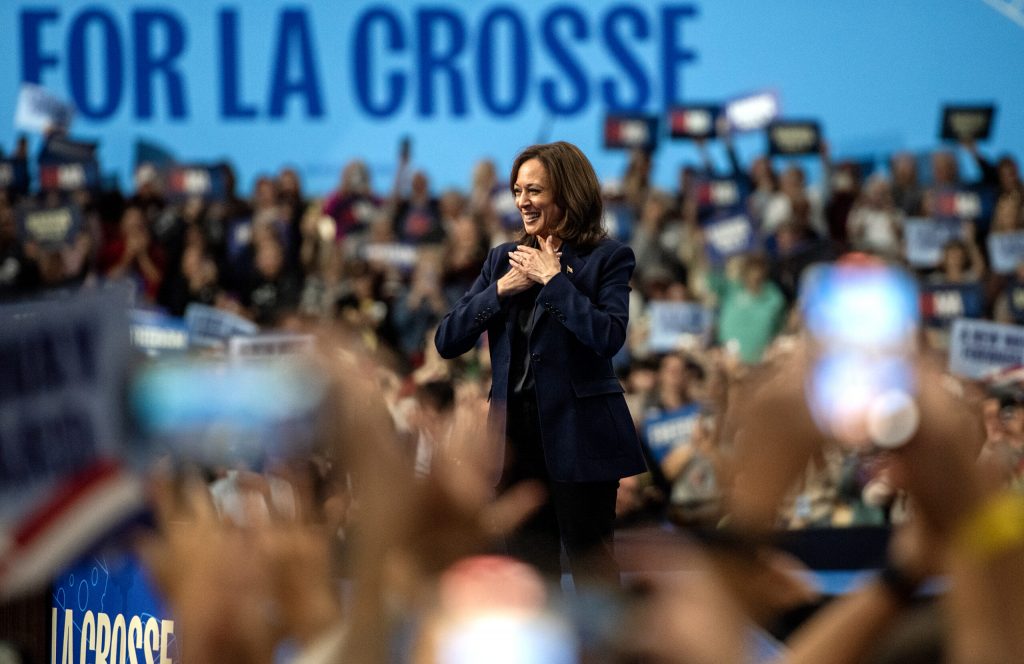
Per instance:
(862,317)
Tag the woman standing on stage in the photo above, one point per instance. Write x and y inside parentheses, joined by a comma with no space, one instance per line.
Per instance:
(555,308)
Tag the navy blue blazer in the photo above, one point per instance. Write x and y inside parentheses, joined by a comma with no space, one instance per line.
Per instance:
(579,321)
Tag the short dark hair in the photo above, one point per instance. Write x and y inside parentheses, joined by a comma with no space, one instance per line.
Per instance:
(575,188)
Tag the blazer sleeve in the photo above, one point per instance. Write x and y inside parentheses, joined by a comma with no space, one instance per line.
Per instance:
(600,325)
(462,326)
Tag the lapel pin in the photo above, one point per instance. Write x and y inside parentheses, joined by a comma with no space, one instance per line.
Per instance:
(568,268)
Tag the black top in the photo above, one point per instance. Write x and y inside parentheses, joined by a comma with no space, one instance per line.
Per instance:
(520,373)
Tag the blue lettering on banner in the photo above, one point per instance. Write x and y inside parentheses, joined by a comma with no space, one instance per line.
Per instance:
(1006,251)
(673,323)
(668,431)
(433,55)
(978,348)
(155,333)
(211,327)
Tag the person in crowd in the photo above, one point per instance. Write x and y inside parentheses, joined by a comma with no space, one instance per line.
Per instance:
(353,205)
(961,263)
(132,255)
(750,310)
(875,222)
(555,311)
(273,290)
(417,218)
(907,193)
(465,248)
(419,307)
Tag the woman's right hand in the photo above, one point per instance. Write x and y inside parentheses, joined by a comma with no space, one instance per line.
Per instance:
(512,282)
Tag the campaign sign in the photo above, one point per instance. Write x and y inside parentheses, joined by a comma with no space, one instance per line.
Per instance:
(631,132)
(63,366)
(104,607)
(792,137)
(979,348)
(39,110)
(753,112)
(957,204)
(14,175)
(209,327)
(671,430)
(728,236)
(69,176)
(155,333)
(718,195)
(49,227)
(1006,251)
(206,182)
(925,238)
(392,254)
(270,346)
(942,303)
(60,149)
(674,323)
(693,121)
(966,123)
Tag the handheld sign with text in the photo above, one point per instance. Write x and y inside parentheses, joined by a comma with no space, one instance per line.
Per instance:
(1006,251)
(63,433)
(671,430)
(693,121)
(392,254)
(105,606)
(269,346)
(942,303)
(728,236)
(40,110)
(49,227)
(209,327)
(631,132)
(718,196)
(205,182)
(979,348)
(925,238)
(752,112)
(14,176)
(793,137)
(950,203)
(966,123)
(66,164)
(677,324)
(156,334)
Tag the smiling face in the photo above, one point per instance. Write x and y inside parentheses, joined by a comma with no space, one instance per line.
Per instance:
(535,199)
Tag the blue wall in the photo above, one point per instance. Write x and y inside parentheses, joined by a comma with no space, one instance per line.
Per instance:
(273,83)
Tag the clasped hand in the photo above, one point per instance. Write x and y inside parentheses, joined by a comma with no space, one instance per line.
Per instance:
(530,266)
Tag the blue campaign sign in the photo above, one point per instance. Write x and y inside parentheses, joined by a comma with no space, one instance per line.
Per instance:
(718,196)
(978,348)
(205,182)
(210,327)
(104,608)
(958,203)
(155,333)
(668,431)
(728,236)
(942,303)
(49,227)
(1005,251)
(673,324)
(925,237)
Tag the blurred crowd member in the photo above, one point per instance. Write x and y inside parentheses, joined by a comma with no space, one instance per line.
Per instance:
(417,218)
(961,262)
(907,193)
(272,288)
(1007,215)
(636,182)
(353,204)
(656,238)
(418,308)
(132,255)
(796,202)
(844,192)
(196,276)
(875,222)
(750,310)
(465,248)
(432,421)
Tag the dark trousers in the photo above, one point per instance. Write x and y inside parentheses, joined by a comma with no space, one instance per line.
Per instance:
(579,516)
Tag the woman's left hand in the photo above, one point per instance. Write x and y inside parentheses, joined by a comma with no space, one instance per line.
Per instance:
(540,265)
